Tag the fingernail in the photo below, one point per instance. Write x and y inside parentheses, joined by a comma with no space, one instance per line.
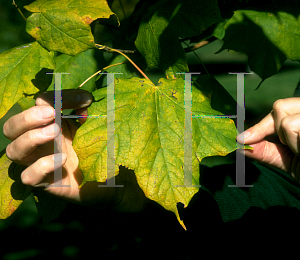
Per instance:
(241,138)
(50,130)
(84,98)
(45,112)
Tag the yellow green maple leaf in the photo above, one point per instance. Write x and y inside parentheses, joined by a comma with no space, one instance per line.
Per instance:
(18,67)
(64,25)
(149,138)
(12,191)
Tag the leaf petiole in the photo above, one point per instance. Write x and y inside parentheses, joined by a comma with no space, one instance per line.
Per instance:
(99,72)
(101,47)
(20,12)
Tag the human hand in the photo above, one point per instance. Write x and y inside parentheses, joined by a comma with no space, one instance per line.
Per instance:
(284,120)
(32,133)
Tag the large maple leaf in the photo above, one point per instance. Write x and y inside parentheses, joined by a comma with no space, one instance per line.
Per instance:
(149,137)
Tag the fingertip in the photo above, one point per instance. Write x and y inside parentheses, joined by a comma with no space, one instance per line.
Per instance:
(59,160)
(64,158)
(82,112)
(81,120)
(36,175)
(45,99)
(259,131)
(84,98)
(242,137)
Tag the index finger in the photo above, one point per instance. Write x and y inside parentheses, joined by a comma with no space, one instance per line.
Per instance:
(259,131)
(71,99)
(28,119)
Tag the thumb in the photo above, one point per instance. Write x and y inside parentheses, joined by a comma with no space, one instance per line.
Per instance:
(277,155)
(71,98)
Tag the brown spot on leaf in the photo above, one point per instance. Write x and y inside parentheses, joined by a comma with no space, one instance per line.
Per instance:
(87,19)
(12,208)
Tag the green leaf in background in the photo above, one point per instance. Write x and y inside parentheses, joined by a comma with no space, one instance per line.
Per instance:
(18,68)
(268,38)
(217,30)
(221,100)
(149,137)
(12,191)
(26,103)
(80,67)
(64,25)
(159,32)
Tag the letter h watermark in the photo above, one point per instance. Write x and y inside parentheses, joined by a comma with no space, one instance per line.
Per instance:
(240,117)
(110,181)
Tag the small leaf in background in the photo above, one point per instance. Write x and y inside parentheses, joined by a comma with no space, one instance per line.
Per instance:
(64,25)
(268,38)
(18,68)
(216,30)
(74,65)
(221,100)
(26,103)
(149,137)
(160,29)
(12,191)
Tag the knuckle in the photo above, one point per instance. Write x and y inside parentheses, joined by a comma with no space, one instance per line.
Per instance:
(285,123)
(278,104)
(26,118)
(32,137)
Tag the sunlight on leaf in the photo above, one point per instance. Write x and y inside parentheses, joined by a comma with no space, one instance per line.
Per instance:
(65,25)
(18,67)
(149,137)
(159,32)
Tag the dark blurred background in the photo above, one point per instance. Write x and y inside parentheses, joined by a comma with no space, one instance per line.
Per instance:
(82,232)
